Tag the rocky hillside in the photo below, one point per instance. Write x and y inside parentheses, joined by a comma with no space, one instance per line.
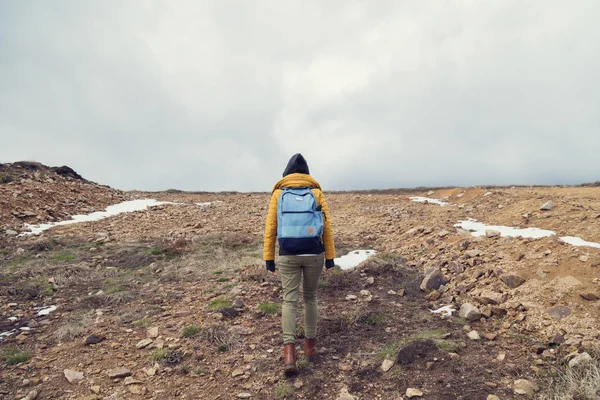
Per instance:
(173,302)
(33,193)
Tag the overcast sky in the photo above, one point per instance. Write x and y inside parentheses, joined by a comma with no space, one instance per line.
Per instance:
(217,95)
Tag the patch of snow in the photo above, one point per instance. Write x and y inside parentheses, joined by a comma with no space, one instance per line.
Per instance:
(6,334)
(445,311)
(428,200)
(575,241)
(478,229)
(46,311)
(487,194)
(204,204)
(124,207)
(353,258)
(25,328)
(460,195)
(13,319)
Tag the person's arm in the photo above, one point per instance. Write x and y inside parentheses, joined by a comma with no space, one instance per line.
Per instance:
(271,234)
(327,232)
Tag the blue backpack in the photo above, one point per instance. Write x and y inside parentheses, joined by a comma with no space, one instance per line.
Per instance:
(299,222)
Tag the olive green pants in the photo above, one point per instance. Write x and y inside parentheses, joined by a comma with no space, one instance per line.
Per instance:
(291,270)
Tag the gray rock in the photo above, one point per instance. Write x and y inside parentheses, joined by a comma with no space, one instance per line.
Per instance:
(589,296)
(31,395)
(472,253)
(93,339)
(525,387)
(344,395)
(412,392)
(559,312)
(387,365)
(73,377)
(10,232)
(580,359)
(547,206)
(469,312)
(512,281)
(491,233)
(118,373)
(433,280)
(492,397)
(143,343)
(474,335)
(244,396)
(489,297)
(152,333)
(237,372)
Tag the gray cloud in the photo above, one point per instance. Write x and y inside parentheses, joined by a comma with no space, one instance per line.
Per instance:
(217,95)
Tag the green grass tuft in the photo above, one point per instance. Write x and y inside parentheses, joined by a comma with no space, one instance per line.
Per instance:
(223,348)
(223,279)
(190,331)
(155,251)
(64,256)
(269,308)
(219,304)
(284,390)
(14,356)
(142,323)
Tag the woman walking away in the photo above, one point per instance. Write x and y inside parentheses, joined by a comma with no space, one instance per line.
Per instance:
(299,219)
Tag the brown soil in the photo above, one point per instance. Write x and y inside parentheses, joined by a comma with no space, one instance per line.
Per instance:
(166,266)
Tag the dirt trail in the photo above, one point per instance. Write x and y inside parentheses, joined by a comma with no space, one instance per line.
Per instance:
(194,273)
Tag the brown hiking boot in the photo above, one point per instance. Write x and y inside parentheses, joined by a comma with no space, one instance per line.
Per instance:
(310,349)
(289,359)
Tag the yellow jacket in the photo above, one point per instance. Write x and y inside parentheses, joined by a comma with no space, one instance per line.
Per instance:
(297,180)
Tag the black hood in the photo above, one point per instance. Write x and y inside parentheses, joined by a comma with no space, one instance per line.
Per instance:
(296,165)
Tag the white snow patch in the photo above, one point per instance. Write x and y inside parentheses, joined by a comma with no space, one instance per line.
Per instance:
(445,311)
(126,206)
(204,204)
(478,229)
(575,241)
(353,258)
(7,334)
(46,311)
(13,319)
(428,200)
(487,194)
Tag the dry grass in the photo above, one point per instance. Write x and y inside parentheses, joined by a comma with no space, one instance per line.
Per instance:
(218,335)
(75,327)
(579,383)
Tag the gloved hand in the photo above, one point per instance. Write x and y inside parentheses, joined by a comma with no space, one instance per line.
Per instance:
(329,264)
(270,266)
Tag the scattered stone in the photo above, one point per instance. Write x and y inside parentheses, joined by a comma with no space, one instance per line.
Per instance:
(443,233)
(525,387)
(580,359)
(72,376)
(501,356)
(559,312)
(93,339)
(136,389)
(370,280)
(433,280)
(351,297)
(589,296)
(492,397)
(95,389)
(237,372)
(489,297)
(131,381)
(143,343)
(10,232)
(365,293)
(31,395)
(474,335)
(469,312)
(512,281)
(401,292)
(118,373)
(433,295)
(152,333)
(584,258)
(411,392)
(387,365)
(150,371)
(472,253)
(491,233)
(244,396)
(547,206)
(298,385)
(344,395)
